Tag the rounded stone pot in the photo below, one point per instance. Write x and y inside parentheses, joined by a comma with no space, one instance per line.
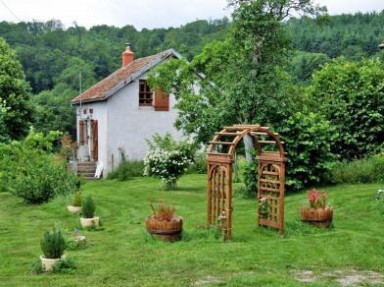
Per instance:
(320,217)
(47,263)
(74,209)
(89,222)
(163,229)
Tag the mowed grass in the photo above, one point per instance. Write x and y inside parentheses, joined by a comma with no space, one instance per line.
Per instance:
(124,255)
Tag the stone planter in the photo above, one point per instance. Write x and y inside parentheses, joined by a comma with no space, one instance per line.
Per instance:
(320,217)
(163,229)
(89,222)
(74,209)
(47,263)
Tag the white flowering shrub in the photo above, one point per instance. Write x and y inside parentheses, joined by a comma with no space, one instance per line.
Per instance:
(167,159)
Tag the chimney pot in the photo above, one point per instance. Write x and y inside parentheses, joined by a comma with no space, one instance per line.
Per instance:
(127,56)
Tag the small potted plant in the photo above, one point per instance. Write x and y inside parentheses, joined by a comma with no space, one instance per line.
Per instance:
(53,246)
(164,224)
(88,211)
(318,213)
(76,204)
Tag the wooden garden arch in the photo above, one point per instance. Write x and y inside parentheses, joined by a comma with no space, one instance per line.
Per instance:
(271,176)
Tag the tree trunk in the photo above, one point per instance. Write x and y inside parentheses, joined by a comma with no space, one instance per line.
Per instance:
(249,148)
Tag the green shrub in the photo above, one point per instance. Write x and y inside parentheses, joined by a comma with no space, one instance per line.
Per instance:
(88,208)
(167,159)
(307,140)
(29,170)
(127,169)
(359,171)
(42,178)
(199,165)
(250,180)
(77,201)
(53,244)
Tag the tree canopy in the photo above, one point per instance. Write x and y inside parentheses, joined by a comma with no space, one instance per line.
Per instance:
(14,94)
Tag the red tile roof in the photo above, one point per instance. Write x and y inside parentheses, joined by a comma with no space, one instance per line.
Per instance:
(122,77)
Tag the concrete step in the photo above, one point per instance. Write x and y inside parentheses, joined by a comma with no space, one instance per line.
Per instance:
(86,170)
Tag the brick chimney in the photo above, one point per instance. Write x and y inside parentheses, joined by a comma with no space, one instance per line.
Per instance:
(127,56)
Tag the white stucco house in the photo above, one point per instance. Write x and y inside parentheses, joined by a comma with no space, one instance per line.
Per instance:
(121,111)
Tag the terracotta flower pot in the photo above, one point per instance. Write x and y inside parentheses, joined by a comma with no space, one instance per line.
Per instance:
(89,222)
(320,217)
(163,229)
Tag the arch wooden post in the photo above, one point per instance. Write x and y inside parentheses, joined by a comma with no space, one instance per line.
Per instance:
(271,176)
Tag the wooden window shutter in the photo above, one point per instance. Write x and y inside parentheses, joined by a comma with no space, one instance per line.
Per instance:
(81,132)
(161,101)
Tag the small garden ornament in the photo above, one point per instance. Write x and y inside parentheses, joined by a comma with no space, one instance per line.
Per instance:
(318,213)
(164,224)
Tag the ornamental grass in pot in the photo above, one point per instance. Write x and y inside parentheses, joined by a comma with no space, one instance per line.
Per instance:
(76,203)
(88,211)
(53,245)
(164,224)
(318,213)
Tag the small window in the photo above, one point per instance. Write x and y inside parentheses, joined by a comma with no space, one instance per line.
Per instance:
(145,94)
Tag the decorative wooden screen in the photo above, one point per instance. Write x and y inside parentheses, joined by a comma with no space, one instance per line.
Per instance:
(271,176)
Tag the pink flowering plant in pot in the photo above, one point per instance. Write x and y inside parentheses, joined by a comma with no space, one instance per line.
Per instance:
(318,213)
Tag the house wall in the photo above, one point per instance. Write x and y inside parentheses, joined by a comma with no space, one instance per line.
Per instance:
(100,113)
(129,125)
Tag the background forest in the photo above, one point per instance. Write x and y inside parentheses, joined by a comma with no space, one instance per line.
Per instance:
(53,56)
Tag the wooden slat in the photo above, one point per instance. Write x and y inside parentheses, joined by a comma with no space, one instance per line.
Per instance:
(227,134)
(221,142)
(268,142)
(263,188)
(270,173)
(269,181)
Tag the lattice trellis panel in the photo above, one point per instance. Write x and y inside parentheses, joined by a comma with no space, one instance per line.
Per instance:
(271,195)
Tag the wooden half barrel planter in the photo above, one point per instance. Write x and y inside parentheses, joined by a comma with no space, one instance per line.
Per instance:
(165,230)
(320,217)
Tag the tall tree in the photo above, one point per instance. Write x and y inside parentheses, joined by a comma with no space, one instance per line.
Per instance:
(241,79)
(14,90)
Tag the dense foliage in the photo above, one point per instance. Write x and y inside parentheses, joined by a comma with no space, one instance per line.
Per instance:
(14,123)
(350,95)
(365,170)
(307,140)
(29,169)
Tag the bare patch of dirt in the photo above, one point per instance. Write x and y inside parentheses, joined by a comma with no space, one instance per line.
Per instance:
(346,278)
(207,280)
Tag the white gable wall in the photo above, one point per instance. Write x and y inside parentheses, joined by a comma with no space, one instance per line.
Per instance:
(129,125)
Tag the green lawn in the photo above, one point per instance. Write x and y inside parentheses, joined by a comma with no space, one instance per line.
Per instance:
(124,255)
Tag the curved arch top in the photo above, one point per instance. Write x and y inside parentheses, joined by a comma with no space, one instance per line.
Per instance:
(268,143)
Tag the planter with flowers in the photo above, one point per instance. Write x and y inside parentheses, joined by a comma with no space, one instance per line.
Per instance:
(164,224)
(318,213)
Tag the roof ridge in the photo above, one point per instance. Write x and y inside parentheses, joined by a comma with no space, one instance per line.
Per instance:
(98,91)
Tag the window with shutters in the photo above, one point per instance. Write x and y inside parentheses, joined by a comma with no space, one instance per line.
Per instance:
(145,94)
